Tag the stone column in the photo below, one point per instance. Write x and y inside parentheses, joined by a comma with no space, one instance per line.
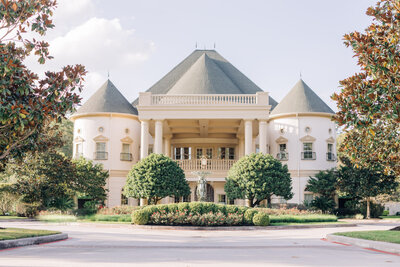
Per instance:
(144,139)
(167,146)
(248,137)
(262,137)
(158,137)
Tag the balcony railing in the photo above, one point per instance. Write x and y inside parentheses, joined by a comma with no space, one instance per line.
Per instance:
(126,156)
(282,156)
(100,155)
(212,164)
(330,156)
(203,99)
(308,155)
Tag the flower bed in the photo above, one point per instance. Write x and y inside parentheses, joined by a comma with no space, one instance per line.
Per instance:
(118,210)
(195,213)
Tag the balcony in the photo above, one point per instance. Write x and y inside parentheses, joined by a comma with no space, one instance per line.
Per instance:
(212,164)
(282,156)
(204,99)
(100,155)
(308,155)
(126,156)
(330,156)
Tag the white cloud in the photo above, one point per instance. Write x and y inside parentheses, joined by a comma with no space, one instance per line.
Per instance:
(101,44)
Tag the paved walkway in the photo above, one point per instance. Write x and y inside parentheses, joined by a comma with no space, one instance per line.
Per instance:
(121,245)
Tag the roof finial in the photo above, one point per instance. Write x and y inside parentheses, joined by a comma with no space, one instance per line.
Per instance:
(300,75)
(215,45)
(196,45)
(108,74)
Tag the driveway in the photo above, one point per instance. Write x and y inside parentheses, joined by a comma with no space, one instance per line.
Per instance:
(122,245)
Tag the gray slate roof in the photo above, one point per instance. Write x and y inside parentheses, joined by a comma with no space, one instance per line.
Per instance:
(205,72)
(301,99)
(107,99)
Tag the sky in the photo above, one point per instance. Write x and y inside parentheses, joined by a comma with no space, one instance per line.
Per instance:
(137,42)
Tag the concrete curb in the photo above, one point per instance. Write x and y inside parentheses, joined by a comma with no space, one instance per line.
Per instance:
(239,228)
(369,244)
(31,241)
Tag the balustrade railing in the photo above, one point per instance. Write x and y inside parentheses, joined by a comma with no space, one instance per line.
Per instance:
(203,99)
(212,164)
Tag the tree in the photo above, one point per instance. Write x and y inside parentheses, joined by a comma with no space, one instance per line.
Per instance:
(29,105)
(257,177)
(66,127)
(91,179)
(369,101)
(47,179)
(53,180)
(364,183)
(324,184)
(156,177)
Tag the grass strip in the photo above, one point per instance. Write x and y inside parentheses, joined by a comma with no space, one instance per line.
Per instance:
(16,233)
(302,218)
(380,235)
(12,218)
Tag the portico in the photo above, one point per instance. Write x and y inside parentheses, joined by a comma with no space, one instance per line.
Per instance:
(187,128)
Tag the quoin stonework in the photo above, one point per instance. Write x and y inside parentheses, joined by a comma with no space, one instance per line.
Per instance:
(205,108)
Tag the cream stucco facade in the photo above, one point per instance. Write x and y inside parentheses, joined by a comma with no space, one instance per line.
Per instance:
(223,117)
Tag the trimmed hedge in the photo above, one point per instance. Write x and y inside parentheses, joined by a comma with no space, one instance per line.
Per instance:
(211,214)
(261,219)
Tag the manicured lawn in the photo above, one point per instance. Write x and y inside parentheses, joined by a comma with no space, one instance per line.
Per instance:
(390,217)
(312,218)
(57,218)
(307,223)
(386,236)
(15,233)
(11,218)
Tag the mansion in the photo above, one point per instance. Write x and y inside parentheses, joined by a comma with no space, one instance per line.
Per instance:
(205,108)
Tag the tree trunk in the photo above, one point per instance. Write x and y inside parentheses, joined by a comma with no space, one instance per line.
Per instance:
(368,210)
(269,202)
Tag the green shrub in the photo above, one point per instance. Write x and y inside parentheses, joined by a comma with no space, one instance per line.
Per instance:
(196,207)
(385,213)
(231,208)
(248,215)
(261,219)
(140,217)
(242,209)
(183,207)
(376,209)
(358,216)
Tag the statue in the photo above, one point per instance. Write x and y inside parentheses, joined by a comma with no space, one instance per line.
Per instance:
(201,191)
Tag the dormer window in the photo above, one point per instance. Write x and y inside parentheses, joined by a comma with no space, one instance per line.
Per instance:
(308,153)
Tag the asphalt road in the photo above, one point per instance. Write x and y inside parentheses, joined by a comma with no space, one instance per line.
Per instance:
(122,245)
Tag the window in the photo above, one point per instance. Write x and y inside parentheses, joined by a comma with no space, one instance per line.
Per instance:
(308,198)
(257,149)
(125,154)
(282,147)
(226,153)
(282,154)
(150,150)
(231,201)
(78,150)
(308,151)
(101,153)
(330,156)
(182,153)
(186,198)
(222,199)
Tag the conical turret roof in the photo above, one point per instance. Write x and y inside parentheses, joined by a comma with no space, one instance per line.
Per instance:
(107,99)
(301,99)
(205,72)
